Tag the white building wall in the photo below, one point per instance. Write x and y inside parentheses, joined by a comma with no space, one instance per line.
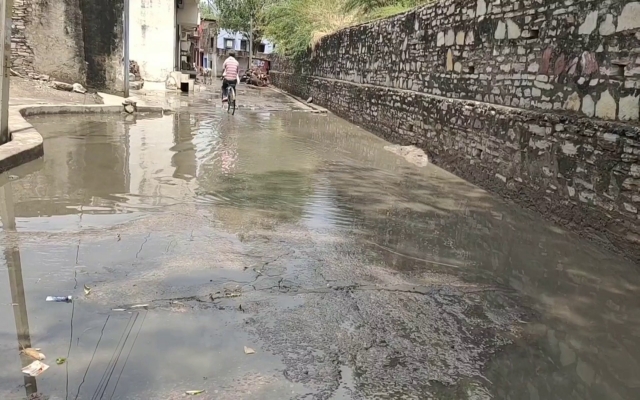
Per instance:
(189,15)
(237,37)
(152,37)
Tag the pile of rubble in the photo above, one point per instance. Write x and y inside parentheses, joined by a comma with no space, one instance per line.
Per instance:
(68,87)
(256,76)
(135,78)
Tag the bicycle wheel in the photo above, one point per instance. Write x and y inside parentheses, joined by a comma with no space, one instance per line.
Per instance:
(231,107)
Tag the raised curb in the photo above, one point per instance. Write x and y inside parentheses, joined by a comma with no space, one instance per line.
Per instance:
(26,141)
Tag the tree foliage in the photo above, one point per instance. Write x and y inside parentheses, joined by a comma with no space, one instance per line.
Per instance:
(373,9)
(208,9)
(297,24)
(239,16)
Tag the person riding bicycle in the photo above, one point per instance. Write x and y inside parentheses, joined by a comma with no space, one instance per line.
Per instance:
(230,71)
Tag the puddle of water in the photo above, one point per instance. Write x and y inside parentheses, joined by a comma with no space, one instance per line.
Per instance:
(175,207)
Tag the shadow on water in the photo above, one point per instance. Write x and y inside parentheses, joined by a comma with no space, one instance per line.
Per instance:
(12,260)
(362,273)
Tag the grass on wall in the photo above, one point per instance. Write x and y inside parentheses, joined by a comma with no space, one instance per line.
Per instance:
(296,25)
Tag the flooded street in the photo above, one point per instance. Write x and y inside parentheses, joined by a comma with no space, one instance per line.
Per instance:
(352,273)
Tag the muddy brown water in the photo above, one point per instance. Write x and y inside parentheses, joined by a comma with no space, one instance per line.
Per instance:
(351,273)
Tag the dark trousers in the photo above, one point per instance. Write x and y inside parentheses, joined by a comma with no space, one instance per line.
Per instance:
(226,84)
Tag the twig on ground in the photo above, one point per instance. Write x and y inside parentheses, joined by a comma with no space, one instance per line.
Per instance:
(16,73)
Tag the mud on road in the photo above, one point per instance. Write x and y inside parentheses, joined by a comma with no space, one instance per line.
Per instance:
(351,272)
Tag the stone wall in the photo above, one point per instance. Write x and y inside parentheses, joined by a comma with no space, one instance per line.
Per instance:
(46,39)
(69,40)
(516,96)
(21,52)
(102,32)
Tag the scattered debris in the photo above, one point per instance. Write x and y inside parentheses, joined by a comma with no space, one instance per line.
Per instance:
(231,288)
(78,88)
(15,73)
(87,290)
(134,69)
(13,177)
(67,87)
(60,299)
(249,350)
(61,360)
(411,153)
(130,106)
(35,368)
(256,76)
(136,85)
(194,392)
(170,83)
(119,238)
(33,353)
(240,308)
(134,307)
(310,100)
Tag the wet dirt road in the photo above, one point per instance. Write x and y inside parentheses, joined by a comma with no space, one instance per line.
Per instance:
(351,273)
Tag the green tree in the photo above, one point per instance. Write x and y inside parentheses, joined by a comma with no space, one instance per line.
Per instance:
(295,25)
(208,9)
(243,16)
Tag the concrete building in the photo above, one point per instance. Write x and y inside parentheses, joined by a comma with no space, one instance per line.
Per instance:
(160,36)
(238,43)
(207,35)
(187,22)
(82,41)
(151,44)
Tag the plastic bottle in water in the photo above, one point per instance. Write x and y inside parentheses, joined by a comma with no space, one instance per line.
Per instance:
(60,299)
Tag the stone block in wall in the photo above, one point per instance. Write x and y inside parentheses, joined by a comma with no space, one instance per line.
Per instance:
(582,48)
(629,18)
(628,108)
(606,106)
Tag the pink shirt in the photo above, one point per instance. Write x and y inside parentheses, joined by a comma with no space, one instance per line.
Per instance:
(230,66)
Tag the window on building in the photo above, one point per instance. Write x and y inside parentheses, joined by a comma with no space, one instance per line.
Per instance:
(244,45)
(228,43)
(213,43)
(261,48)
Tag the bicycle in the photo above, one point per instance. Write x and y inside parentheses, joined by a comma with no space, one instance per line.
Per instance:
(231,99)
